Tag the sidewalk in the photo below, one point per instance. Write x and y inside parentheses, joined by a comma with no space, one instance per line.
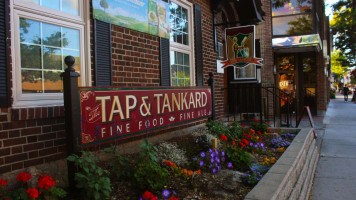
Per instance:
(335,176)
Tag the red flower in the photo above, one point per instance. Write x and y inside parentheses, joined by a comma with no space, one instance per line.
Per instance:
(23,176)
(3,182)
(233,143)
(32,193)
(256,120)
(173,198)
(259,133)
(245,141)
(45,181)
(223,137)
(269,122)
(147,195)
(252,131)
(260,139)
(242,145)
(243,126)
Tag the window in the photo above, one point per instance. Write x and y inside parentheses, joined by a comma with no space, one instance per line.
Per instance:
(44,33)
(181,44)
(292,17)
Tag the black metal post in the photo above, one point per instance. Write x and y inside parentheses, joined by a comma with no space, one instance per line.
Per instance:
(72,115)
(261,103)
(211,84)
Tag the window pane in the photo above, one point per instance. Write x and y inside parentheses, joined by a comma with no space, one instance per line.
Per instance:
(68,6)
(52,82)
(179,24)
(52,58)
(51,35)
(70,38)
(31,81)
(45,59)
(292,25)
(30,31)
(285,63)
(180,71)
(30,56)
(54,4)
(289,7)
(248,72)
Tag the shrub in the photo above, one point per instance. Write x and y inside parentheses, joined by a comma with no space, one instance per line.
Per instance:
(239,158)
(170,151)
(91,178)
(149,174)
(120,166)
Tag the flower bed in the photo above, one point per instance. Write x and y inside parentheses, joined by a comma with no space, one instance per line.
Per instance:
(222,161)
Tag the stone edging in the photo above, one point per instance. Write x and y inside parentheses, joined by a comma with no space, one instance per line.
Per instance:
(292,175)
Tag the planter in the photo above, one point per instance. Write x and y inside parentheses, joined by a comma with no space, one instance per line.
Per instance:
(292,175)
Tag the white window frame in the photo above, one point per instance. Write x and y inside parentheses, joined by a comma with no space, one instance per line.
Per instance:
(186,49)
(35,12)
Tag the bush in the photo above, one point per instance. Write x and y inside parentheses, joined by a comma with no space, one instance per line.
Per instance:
(240,159)
(170,151)
(91,178)
(149,174)
(218,128)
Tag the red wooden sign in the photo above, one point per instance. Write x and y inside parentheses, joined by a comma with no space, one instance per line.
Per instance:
(116,113)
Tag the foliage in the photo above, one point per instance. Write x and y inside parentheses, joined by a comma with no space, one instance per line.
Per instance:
(252,177)
(257,126)
(46,189)
(332,94)
(338,65)
(218,128)
(343,26)
(149,174)
(239,158)
(91,178)
(170,151)
(120,166)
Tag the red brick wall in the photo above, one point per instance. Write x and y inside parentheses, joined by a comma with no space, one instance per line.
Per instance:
(31,136)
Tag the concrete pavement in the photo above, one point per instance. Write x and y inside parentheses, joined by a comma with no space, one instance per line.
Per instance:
(335,177)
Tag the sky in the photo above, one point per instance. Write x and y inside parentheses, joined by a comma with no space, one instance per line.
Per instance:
(328,9)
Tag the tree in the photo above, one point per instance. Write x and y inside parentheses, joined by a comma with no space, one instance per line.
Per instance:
(337,65)
(343,26)
(104,4)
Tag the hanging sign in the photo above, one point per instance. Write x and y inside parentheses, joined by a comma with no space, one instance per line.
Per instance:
(148,16)
(116,113)
(240,47)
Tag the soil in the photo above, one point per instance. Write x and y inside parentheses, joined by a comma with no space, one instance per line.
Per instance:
(126,190)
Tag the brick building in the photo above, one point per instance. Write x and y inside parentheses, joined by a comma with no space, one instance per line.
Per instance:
(36,36)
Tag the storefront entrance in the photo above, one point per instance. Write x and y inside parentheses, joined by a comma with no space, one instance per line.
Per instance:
(296,78)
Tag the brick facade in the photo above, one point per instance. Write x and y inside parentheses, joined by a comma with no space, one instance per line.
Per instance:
(31,136)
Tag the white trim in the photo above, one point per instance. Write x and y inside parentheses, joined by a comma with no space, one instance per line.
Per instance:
(48,12)
(187,49)
(81,23)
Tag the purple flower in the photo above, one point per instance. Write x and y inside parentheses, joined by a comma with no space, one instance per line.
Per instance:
(201,163)
(210,150)
(202,154)
(256,146)
(229,165)
(212,160)
(212,155)
(216,152)
(214,170)
(166,193)
(223,153)
(174,193)
(216,164)
(251,144)
(219,168)
(223,159)
(194,159)
(217,159)
(262,145)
